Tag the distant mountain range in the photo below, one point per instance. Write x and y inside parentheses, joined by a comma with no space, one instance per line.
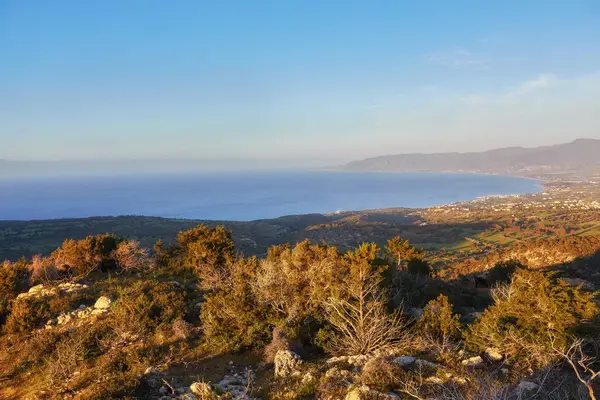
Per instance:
(580,157)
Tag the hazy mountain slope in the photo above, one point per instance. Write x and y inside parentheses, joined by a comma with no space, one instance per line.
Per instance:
(577,156)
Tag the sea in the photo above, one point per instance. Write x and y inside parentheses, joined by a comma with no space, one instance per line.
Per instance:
(243,196)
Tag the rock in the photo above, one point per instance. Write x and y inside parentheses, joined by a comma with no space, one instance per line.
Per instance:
(416,313)
(286,362)
(103,303)
(405,361)
(576,282)
(473,362)
(36,289)
(493,355)
(151,370)
(426,365)
(526,386)
(164,390)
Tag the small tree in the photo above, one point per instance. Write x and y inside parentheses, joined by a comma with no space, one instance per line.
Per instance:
(439,326)
(402,251)
(359,315)
(210,253)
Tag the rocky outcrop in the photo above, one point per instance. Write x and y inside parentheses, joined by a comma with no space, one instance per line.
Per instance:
(80,314)
(286,363)
(41,290)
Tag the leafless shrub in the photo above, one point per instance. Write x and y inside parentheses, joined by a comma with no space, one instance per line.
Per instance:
(43,270)
(182,329)
(359,314)
(130,256)
(380,373)
(279,342)
(581,363)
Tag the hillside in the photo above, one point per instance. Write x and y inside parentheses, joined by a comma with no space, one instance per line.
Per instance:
(576,158)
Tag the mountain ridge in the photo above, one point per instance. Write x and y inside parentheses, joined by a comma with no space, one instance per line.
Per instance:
(574,158)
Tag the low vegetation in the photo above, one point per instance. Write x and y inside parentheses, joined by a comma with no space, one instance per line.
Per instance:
(103,317)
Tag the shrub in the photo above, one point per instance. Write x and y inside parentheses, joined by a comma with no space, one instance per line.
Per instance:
(14,278)
(27,314)
(232,318)
(293,282)
(130,256)
(43,270)
(526,312)
(439,327)
(33,312)
(380,374)
(81,257)
(417,266)
(148,305)
(279,341)
(210,252)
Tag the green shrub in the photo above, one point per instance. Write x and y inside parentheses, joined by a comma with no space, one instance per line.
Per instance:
(148,305)
(232,318)
(209,252)
(81,257)
(14,279)
(27,314)
(526,312)
(439,327)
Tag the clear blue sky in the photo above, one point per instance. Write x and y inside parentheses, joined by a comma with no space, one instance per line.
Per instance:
(293,81)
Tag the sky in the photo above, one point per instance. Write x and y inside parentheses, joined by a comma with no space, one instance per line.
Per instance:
(293,82)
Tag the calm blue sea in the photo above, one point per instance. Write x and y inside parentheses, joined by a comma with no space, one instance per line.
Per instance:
(243,196)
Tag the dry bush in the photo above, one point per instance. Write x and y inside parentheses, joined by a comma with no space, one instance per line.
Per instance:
(43,270)
(182,329)
(278,342)
(130,256)
(380,374)
(294,281)
(359,313)
(581,363)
